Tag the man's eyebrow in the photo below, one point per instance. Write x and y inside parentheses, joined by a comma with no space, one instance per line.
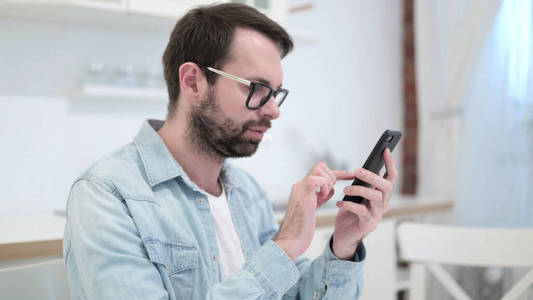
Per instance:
(264,81)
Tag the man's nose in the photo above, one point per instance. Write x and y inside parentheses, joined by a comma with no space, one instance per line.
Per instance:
(270,109)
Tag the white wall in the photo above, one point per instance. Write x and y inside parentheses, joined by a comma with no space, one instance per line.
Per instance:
(344,91)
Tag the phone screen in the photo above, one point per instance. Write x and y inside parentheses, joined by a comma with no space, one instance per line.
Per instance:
(375,162)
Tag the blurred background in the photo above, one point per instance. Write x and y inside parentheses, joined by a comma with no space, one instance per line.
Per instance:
(78,78)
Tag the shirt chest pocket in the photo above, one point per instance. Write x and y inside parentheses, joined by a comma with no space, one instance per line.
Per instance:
(180,262)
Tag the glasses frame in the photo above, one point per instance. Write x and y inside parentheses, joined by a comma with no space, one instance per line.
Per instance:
(253,85)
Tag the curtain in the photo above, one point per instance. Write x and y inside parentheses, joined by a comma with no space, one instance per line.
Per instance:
(449,39)
(475,73)
(497,143)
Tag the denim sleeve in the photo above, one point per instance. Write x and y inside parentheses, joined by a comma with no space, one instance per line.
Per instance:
(104,255)
(268,274)
(271,274)
(328,277)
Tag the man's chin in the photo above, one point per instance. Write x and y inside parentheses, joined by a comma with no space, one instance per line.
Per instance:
(255,142)
(247,149)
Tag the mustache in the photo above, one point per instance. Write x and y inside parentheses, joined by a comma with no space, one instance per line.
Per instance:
(260,123)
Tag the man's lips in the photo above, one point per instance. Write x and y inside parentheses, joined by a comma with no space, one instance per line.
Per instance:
(258,129)
(257,132)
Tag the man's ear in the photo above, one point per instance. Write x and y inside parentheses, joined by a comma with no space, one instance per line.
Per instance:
(192,80)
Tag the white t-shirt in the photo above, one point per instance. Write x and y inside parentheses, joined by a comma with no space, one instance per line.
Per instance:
(231,257)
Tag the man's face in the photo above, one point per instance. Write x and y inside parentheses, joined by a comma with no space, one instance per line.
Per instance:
(222,124)
(215,132)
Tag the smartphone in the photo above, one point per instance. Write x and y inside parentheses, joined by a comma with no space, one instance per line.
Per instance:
(375,161)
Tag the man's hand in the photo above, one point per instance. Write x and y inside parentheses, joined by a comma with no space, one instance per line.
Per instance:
(298,227)
(354,221)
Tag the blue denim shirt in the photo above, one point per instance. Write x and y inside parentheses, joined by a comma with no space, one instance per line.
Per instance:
(139,228)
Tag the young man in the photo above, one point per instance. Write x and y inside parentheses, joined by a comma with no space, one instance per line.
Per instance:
(167,217)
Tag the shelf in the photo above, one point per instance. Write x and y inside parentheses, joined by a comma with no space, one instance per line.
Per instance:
(108,16)
(158,95)
(99,17)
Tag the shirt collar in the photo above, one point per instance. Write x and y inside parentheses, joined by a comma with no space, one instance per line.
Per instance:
(160,165)
(228,176)
(158,162)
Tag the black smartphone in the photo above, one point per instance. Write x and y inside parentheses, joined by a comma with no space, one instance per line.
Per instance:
(375,161)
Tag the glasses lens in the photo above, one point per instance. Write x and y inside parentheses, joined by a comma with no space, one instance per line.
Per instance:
(280,97)
(260,92)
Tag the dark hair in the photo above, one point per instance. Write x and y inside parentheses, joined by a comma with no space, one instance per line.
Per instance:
(204,36)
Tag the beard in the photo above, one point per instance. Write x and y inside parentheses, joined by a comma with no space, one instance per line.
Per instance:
(216,135)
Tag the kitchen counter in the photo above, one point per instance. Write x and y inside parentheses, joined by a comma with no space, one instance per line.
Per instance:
(400,207)
(30,236)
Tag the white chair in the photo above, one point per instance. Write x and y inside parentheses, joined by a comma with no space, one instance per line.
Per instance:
(427,246)
(46,280)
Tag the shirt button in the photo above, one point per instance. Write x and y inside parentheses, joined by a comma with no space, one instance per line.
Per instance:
(214,257)
(201,200)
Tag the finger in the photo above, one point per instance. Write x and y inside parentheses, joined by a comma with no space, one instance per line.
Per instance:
(372,195)
(375,199)
(374,180)
(343,175)
(323,170)
(328,172)
(392,173)
(314,181)
(358,209)
(323,190)
(324,200)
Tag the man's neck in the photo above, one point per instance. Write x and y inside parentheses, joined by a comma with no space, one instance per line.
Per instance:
(201,168)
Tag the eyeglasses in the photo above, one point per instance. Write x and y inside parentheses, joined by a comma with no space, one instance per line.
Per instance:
(259,94)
